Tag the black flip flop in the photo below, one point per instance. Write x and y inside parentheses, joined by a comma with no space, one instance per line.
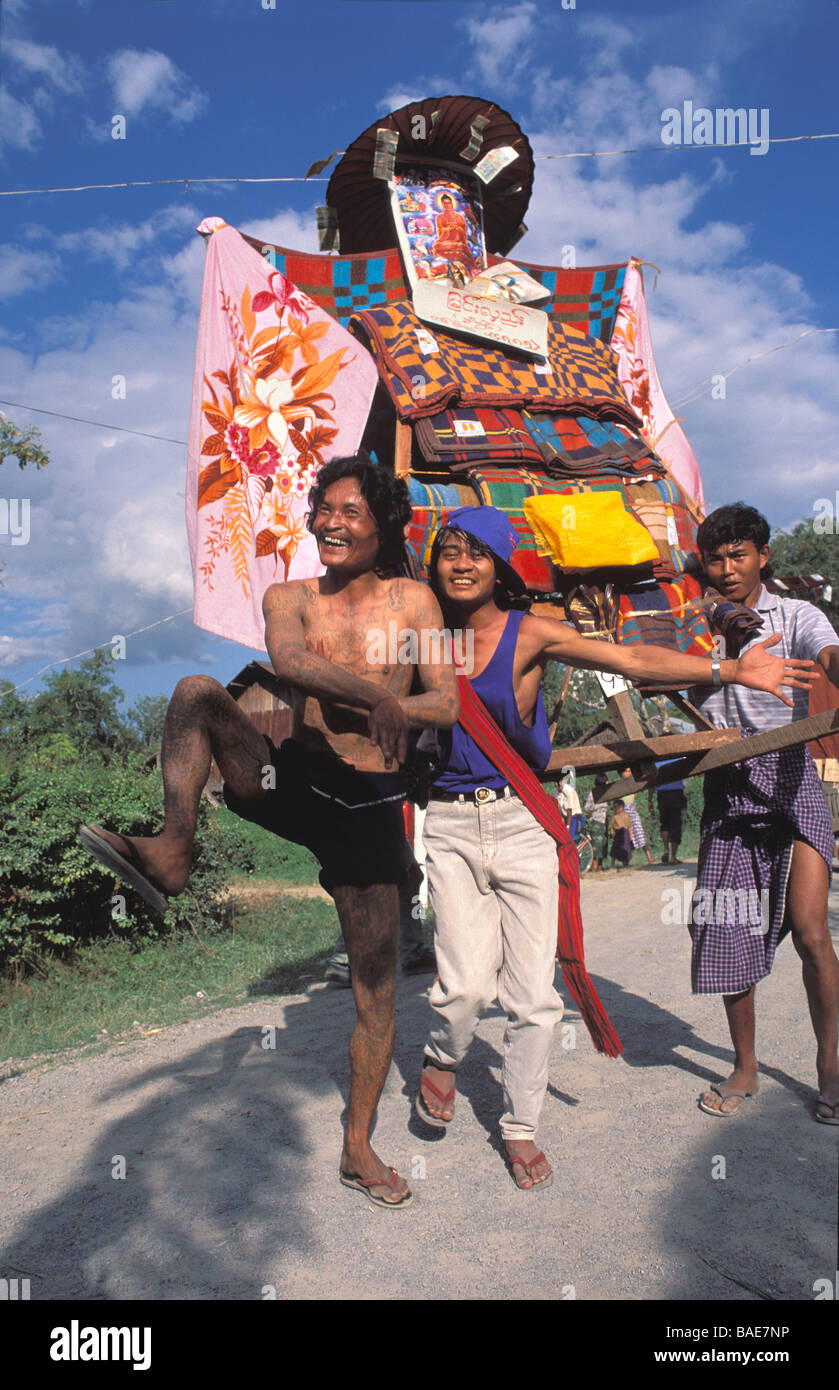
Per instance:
(109,855)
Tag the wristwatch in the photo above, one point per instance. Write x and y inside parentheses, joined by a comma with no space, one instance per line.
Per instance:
(716,677)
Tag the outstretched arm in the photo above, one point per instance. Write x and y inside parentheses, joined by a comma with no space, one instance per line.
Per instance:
(756,668)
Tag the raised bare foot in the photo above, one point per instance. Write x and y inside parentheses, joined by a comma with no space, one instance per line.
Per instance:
(384,1186)
(722,1100)
(166,866)
(437,1103)
(521,1154)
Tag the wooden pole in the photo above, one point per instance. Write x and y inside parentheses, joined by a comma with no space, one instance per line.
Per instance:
(613,756)
(724,754)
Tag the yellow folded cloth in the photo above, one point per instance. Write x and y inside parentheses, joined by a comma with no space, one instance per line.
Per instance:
(588,531)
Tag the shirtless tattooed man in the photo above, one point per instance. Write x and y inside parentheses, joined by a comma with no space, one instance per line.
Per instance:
(336,787)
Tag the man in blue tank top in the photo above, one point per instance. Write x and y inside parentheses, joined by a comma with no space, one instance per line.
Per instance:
(492,867)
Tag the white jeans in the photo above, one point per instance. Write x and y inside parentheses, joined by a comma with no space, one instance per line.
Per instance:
(492,880)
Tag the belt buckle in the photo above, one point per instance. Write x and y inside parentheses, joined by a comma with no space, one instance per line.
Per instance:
(483,794)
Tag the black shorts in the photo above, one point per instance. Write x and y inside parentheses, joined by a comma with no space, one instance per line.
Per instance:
(351,821)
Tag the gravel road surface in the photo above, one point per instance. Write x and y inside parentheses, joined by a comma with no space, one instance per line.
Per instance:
(230,1146)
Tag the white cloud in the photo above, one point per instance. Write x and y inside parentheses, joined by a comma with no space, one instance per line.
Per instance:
(62,70)
(20,128)
(120,242)
(502,43)
(403,94)
(20,269)
(143,80)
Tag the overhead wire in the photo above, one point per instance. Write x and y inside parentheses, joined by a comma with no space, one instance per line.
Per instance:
(307,178)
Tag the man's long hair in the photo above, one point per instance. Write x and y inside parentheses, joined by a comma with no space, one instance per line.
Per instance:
(385,495)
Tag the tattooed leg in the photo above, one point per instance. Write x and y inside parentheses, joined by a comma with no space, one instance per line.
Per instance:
(203,722)
(370,923)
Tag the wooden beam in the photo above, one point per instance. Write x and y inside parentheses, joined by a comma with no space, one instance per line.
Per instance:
(695,715)
(625,720)
(623,716)
(723,755)
(558,706)
(611,756)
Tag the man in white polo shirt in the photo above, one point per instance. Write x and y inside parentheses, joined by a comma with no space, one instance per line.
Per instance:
(766,845)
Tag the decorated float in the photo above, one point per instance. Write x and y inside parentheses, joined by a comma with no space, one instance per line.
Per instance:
(480,378)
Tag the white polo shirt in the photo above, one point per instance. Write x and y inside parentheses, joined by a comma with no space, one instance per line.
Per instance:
(805,631)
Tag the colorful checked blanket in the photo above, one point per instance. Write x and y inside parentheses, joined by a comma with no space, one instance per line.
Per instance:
(587,297)
(339,285)
(669,524)
(279,388)
(460,437)
(637,370)
(667,615)
(425,523)
(439,495)
(426,372)
(577,446)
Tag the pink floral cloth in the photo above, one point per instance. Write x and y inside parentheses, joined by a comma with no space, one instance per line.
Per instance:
(639,377)
(279,389)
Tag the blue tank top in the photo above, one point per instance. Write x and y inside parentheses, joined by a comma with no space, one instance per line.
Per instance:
(464,765)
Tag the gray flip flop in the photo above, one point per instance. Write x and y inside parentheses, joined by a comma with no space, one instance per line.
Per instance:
(724,1095)
(828,1119)
(107,854)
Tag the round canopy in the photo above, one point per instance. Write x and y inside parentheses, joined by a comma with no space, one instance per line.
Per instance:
(362,202)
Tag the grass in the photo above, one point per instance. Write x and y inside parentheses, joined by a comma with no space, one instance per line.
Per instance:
(115,989)
(121,987)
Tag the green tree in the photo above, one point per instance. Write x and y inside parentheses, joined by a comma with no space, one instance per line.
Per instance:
(804,550)
(146,717)
(82,703)
(24,445)
(582,708)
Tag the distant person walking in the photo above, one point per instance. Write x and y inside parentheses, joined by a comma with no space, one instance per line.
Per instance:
(636,825)
(672,809)
(621,839)
(569,805)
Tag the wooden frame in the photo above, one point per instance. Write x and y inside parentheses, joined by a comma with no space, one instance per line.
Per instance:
(702,751)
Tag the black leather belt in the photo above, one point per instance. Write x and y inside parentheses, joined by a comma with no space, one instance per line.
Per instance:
(479,797)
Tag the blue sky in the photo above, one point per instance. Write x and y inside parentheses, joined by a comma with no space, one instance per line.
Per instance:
(95,284)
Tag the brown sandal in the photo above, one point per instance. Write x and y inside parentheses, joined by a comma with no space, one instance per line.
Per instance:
(422,1109)
(546,1181)
(364,1184)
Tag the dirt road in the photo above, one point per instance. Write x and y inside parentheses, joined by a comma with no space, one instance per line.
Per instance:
(227,1132)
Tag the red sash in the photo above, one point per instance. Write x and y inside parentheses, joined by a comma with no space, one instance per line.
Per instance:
(480,726)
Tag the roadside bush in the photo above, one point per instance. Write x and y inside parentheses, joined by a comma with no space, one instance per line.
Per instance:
(53,895)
